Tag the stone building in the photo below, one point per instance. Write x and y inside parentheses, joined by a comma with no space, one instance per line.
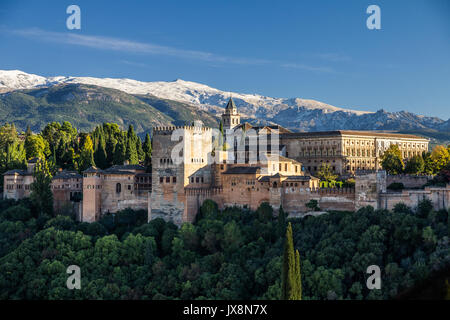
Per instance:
(181,158)
(113,189)
(67,189)
(347,151)
(17,183)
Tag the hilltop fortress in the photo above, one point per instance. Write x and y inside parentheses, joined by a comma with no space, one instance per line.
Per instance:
(241,165)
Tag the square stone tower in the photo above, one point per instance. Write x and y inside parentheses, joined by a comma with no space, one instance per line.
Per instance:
(180,159)
(92,188)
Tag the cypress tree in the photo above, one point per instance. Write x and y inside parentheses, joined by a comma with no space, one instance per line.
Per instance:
(298,277)
(120,152)
(290,287)
(139,150)
(147,148)
(110,148)
(87,154)
(60,153)
(100,153)
(131,154)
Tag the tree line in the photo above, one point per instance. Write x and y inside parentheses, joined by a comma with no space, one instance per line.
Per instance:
(435,162)
(62,146)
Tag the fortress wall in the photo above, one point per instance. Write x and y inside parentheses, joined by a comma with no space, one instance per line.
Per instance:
(440,198)
(294,200)
(196,197)
(408,180)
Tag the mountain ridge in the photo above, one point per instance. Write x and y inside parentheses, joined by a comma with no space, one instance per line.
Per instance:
(181,101)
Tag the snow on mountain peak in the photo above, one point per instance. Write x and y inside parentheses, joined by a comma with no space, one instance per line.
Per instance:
(204,96)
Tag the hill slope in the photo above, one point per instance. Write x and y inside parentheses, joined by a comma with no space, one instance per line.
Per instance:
(86,106)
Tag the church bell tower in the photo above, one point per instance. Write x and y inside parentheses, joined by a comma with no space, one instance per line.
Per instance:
(231,118)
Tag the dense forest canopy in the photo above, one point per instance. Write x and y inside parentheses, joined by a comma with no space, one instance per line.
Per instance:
(229,254)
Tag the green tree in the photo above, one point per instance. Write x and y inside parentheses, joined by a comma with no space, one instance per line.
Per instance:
(415,165)
(120,151)
(428,163)
(100,153)
(325,173)
(291,286)
(8,135)
(298,276)
(87,154)
(41,193)
(36,147)
(392,160)
(132,148)
(147,148)
(440,157)
(313,205)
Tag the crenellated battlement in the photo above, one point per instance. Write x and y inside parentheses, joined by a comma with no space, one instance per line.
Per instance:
(170,129)
(333,191)
(203,191)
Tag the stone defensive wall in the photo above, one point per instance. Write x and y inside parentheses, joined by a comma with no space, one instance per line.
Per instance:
(195,198)
(408,180)
(294,201)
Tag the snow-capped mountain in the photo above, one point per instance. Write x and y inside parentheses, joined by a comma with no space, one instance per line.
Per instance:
(294,113)
(205,97)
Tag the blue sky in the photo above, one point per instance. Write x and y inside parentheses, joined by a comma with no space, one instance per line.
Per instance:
(311,49)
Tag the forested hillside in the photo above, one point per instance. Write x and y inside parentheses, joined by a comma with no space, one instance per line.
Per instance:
(230,254)
(87,105)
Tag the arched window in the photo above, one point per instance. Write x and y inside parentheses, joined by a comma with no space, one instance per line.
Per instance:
(118,188)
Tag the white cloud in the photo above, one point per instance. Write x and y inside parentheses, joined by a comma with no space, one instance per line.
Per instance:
(117,44)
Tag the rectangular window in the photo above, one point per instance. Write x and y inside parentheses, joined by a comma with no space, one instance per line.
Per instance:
(161,179)
(174,180)
(168,179)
